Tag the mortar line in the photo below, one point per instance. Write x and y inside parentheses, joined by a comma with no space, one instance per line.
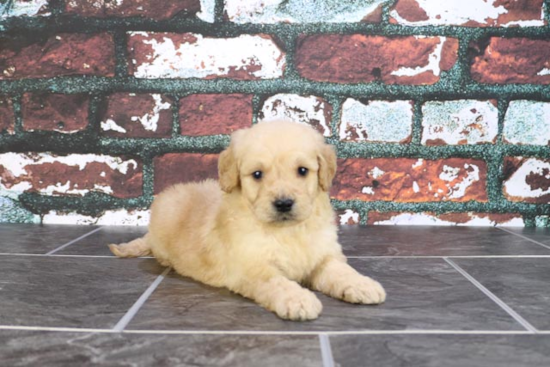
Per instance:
(525,238)
(326,350)
(493,297)
(125,320)
(73,241)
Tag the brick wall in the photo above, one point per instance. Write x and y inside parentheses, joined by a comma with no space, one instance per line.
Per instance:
(440,112)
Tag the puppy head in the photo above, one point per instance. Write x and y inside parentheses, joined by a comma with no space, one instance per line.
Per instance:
(279,168)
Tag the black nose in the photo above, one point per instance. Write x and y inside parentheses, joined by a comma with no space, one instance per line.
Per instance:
(283,205)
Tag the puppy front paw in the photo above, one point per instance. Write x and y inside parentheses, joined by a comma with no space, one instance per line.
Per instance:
(363,290)
(299,305)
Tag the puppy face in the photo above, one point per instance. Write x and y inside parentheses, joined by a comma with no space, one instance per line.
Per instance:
(279,168)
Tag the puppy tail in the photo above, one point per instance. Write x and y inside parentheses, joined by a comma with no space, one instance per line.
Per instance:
(136,248)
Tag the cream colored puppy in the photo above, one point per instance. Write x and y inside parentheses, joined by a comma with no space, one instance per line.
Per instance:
(266,230)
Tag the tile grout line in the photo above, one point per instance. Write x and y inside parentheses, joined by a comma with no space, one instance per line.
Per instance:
(125,320)
(53,328)
(448,256)
(73,241)
(331,333)
(326,350)
(524,237)
(288,333)
(493,297)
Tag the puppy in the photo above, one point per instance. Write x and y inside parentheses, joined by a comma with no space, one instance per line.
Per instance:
(266,230)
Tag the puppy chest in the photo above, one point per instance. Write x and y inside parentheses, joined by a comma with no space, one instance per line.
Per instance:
(295,261)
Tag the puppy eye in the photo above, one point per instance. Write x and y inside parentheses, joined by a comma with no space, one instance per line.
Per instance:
(257,175)
(302,171)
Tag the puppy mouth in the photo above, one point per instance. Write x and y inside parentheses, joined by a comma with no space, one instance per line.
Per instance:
(283,217)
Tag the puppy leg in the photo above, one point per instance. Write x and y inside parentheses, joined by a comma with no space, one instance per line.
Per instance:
(284,297)
(339,280)
(135,248)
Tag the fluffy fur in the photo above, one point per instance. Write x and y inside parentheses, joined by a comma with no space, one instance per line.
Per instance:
(231,234)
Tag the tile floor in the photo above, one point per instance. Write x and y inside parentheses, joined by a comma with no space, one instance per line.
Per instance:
(457,296)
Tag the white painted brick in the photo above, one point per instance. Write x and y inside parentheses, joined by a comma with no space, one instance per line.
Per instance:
(207,11)
(530,181)
(23,8)
(256,56)
(17,176)
(299,11)
(348,217)
(309,110)
(463,12)
(459,122)
(376,121)
(430,219)
(121,217)
(527,122)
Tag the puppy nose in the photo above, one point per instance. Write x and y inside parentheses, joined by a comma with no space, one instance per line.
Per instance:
(283,205)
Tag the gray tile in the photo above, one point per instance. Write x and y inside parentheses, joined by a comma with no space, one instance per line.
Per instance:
(36,239)
(541,235)
(523,284)
(433,241)
(25,348)
(422,294)
(71,292)
(96,244)
(441,350)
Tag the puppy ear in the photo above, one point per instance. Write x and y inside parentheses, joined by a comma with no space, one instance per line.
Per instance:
(227,170)
(327,166)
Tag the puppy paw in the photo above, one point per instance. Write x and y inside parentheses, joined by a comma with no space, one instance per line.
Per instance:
(363,290)
(116,250)
(298,305)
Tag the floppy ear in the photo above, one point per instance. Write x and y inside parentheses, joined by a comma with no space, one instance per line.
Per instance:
(327,166)
(227,170)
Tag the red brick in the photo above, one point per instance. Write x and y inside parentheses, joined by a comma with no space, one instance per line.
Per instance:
(361,59)
(7,118)
(429,218)
(74,174)
(173,168)
(512,60)
(410,180)
(527,180)
(212,114)
(137,116)
(63,54)
(469,13)
(65,113)
(133,8)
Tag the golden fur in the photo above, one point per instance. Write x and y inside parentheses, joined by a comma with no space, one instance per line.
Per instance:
(230,234)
